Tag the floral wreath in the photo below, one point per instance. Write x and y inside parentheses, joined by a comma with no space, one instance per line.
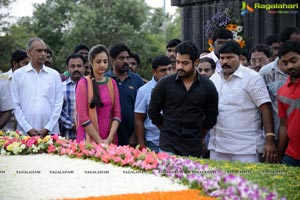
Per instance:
(224,20)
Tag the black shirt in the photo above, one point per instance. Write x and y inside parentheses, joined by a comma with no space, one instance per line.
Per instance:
(185,113)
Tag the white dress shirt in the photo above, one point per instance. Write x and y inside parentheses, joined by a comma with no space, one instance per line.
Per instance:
(37,98)
(239,125)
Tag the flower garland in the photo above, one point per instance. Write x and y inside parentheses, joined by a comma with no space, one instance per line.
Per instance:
(213,182)
(224,20)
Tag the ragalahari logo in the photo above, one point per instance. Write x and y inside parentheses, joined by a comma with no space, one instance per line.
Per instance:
(246,8)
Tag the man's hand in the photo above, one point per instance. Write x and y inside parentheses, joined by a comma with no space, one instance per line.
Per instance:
(33,132)
(44,132)
(74,127)
(270,153)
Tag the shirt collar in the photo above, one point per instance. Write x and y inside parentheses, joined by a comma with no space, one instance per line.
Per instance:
(238,72)
(69,81)
(153,82)
(290,83)
(111,73)
(30,68)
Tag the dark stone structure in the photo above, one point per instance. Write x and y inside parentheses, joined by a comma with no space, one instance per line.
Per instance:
(257,25)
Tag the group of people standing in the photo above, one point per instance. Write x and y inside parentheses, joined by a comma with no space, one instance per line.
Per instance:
(193,101)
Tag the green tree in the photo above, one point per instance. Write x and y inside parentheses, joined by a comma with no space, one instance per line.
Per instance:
(14,37)
(4,6)
(64,24)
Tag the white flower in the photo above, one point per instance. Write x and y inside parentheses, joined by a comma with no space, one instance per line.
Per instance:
(239,29)
(239,38)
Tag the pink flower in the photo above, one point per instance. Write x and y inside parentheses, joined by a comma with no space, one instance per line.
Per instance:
(79,155)
(63,151)
(85,152)
(51,149)
(162,156)
(105,158)
(150,158)
(82,145)
(117,159)
(92,153)
(55,137)
(31,141)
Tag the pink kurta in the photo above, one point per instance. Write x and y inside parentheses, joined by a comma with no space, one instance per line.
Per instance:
(105,114)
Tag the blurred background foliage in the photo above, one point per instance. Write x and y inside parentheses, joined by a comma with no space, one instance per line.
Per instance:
(64,24)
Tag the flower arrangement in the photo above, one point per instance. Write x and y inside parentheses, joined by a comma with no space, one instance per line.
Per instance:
(225,20)
(212,181)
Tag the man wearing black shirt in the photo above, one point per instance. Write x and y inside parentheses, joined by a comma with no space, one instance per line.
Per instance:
(189,104)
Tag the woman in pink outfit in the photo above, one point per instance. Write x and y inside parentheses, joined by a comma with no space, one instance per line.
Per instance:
(97,102)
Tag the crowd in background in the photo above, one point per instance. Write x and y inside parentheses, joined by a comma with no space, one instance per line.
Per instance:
(224,105)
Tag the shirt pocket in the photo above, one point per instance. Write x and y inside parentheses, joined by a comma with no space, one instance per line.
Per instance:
(234,97)
(48,88)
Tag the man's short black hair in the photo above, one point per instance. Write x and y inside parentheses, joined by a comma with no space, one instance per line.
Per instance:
(74,55)
(173,43)
(81,47)
(271,39)
(17,56)
(230,47)
(160,60)
(222,33)
(117,49)
(49,51)
(209,60)
(289,46)
(262,48)
(190,48)
(136,57)
(286,33)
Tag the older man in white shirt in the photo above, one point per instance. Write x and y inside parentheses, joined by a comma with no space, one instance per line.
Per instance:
(243,99)
(37,93)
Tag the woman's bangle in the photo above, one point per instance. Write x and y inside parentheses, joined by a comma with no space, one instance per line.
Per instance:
(270,134)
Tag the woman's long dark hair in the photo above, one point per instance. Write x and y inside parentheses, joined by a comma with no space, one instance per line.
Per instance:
(96,101)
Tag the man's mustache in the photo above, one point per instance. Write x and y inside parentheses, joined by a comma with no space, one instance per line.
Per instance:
(77,72)
(226,65)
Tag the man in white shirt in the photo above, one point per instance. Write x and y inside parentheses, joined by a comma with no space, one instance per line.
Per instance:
(18,59)
(275,75)
(6,105)
(243,99)
(37,93)
(146,132)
